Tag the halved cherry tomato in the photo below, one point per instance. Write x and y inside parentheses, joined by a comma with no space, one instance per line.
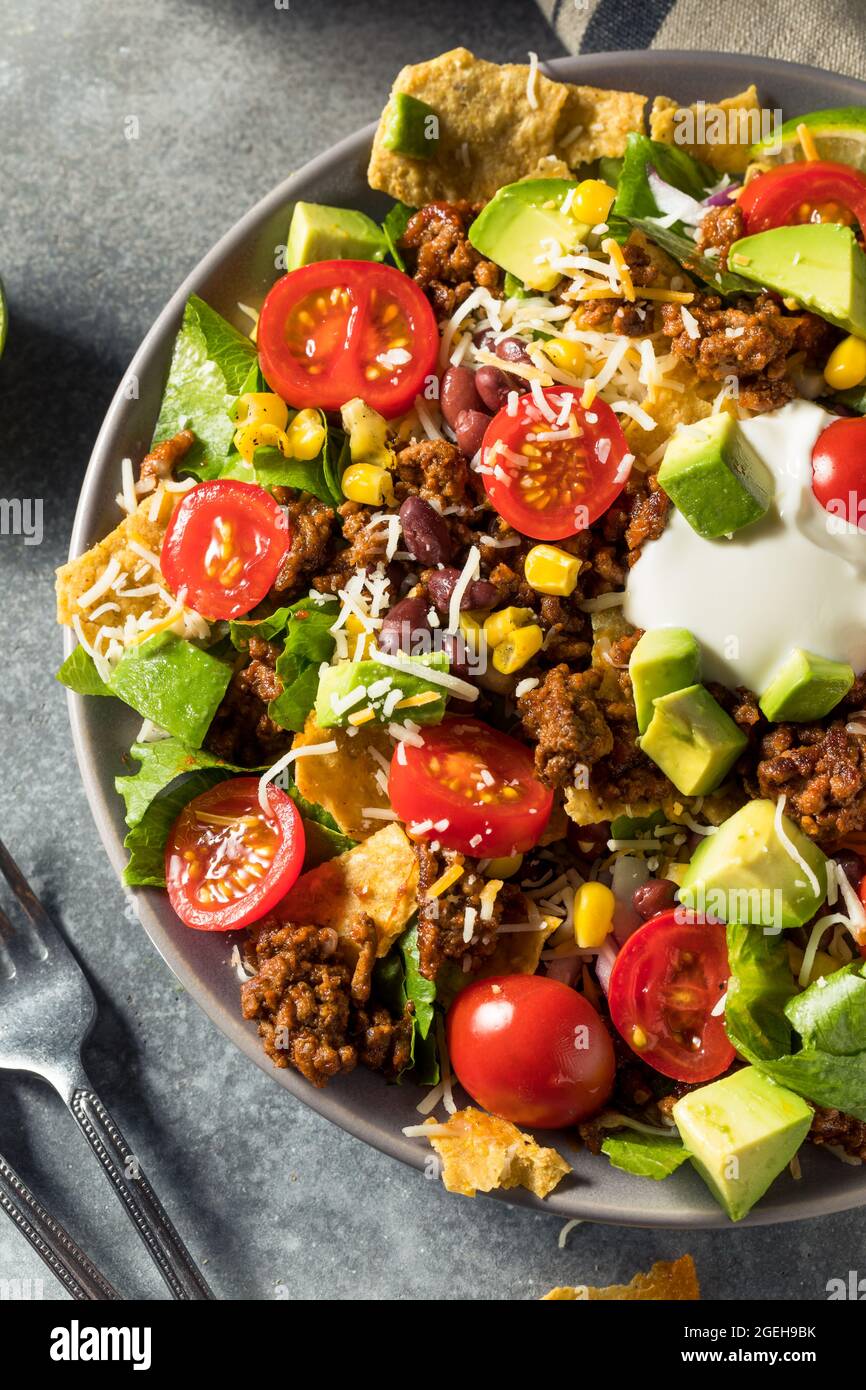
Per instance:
(226,863)
(806,191)
(224,547)
(665,983)
(553,488)
(334,330)
(473,788)
(531,1050)
(839,470)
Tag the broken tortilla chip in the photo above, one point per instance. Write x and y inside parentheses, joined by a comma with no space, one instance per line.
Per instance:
(379,877)
(480,1152)
(596,122)
(78,576)
(517,952)
(345,782)
(489,131)
(724,131)
(668,1281)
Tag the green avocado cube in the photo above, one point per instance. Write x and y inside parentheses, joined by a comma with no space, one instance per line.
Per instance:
(411,127)
(806,687)
(749,875)
(715,478)
(741,1133)
(352,686)
(665,659)
(174,683)
(817,263)
(522,224)
(692,740)
(320,233)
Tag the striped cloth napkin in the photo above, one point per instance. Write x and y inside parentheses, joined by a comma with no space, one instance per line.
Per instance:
(829,34)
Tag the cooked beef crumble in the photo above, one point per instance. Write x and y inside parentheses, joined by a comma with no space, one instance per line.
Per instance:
(842,1131)
(719,229)
(442,920)
(159,463)
(242,731)
(312,1003)
(821,769)
(628,317)
(439,257)
(313,526)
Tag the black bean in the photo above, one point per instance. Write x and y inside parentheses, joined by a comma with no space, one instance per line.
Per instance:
(595,836)
(425,533)
(852,866)
(480,593)
(457,393)
(655,896)
(493,386)
(403,625)
(469,429)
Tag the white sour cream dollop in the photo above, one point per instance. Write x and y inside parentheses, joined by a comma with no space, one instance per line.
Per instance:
(796,578)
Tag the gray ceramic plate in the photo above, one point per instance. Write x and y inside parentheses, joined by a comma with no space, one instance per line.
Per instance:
(241,267)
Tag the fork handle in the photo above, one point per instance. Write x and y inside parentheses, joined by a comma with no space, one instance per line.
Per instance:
(141,1203)
(54,1245)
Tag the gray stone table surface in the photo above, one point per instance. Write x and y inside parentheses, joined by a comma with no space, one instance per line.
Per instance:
(96,231)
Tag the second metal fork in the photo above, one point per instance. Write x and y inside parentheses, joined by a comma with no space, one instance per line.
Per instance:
(47,1009)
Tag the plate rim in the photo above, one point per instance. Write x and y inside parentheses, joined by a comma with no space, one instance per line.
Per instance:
(330,1103)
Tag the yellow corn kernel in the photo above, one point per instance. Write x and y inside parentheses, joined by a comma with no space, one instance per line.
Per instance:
(518,648)
(549,570)
(306,434)
(260,408)
(566,354)
(846,365)
(501,624)
(253,437)
(367,482)
(505,867)
(592,201)
(367,431)
(594,904)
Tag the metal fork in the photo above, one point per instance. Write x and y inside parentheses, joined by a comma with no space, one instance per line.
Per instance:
(54,1245)
(47,1009)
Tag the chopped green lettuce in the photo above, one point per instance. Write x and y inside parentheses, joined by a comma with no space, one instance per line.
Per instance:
(305,629)
(643,1154)
(174,683)
(634,195)
(161,763)
(393,228)
(211,365)
(79,673)
(683,249)
(815,1042)
(397,980)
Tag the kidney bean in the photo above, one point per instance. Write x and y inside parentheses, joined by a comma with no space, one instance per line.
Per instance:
(480,593)
(403,624)
(454,648)
(595,836)
(513,350)
(470,428)
(457,393)
(852,867)
(493,386)
(655,896)
(425,533)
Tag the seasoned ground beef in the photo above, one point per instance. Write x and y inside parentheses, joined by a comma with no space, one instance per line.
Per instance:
(648,514)
(741,704)
(438,255)
(242,731)
(312,1003)
(365,548)
(822,771)
(442,920)
(312,524)
(751,339)
(562,717)
(159,463)
(631,318)
(437,470)
(718,231)
(842,1131)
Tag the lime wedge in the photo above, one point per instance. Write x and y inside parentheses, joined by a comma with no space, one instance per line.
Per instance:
(839,134)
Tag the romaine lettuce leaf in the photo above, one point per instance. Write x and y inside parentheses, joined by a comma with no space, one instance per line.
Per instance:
(683,250)
(634,195)
(397,979)
(307,642)
(79,673)
(174,683)
(643,1154)
(211,365)
(161,763)
(393,228)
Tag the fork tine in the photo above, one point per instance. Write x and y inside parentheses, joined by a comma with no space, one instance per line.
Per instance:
(7,931)
(25,895)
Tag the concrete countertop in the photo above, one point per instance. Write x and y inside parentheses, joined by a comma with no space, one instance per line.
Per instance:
(98,230)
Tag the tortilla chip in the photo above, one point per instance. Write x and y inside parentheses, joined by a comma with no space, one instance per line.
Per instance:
(489,134)
(481,1152)
(76,577)
(586,808)
(344,782)
(668,1281)
(729,156)
(517,952)
(378,877)
(596,121)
